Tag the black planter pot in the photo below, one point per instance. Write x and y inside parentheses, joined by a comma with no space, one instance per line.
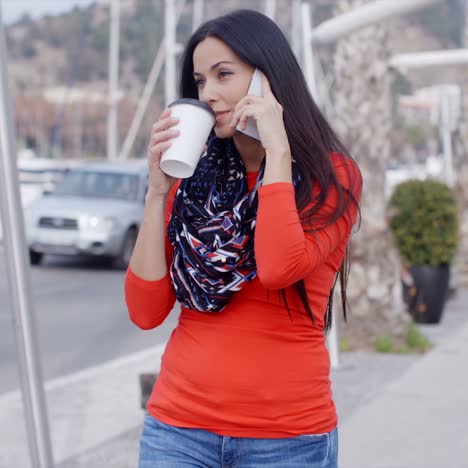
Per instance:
(426,298)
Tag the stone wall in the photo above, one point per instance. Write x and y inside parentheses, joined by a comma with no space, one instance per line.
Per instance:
(363,118)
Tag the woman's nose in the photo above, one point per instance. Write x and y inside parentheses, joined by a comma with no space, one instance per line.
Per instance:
(209,92)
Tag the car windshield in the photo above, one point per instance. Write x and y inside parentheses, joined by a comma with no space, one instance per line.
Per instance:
(40,176)
(98,185)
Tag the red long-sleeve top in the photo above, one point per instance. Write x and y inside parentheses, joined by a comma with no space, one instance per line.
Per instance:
(251,370)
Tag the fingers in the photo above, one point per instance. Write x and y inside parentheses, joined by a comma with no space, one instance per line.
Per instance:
(164,122)
(164,135)
(159,148)
(162,132)
(243,119)
(155,151)
(240,117)
(166,113)
(236,111)
(247,101)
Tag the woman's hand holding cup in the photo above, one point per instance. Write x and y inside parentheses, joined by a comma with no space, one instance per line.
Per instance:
(162,133)
(196,120)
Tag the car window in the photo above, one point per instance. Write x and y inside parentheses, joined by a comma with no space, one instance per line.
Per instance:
(99,185)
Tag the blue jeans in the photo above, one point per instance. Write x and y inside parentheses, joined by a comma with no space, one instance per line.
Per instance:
(164,446)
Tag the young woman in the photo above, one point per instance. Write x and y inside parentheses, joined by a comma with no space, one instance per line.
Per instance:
(251,246)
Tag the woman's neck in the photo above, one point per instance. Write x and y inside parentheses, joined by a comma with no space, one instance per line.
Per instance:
(250,150)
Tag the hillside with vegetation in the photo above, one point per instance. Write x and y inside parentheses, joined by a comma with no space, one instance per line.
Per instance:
(70,51)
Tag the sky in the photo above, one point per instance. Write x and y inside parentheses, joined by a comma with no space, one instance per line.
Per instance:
(14,9)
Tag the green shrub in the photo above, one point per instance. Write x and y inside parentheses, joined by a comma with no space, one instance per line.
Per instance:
(423,217)
(345,345)
(384,344)
(415,339)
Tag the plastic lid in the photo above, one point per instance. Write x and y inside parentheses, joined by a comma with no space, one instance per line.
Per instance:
(194,102)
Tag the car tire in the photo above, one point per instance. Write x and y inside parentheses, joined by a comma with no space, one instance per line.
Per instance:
(123,259)
(35,258)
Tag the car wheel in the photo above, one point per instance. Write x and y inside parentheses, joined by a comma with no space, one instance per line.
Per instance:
(35,258)
(123,259)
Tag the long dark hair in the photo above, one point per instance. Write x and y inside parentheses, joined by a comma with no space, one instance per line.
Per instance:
(258,41)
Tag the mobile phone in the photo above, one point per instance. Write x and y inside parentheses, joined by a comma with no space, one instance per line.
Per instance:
(255,89)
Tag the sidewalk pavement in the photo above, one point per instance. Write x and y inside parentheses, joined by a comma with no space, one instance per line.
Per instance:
(420,420)
(86,410)
(395,411)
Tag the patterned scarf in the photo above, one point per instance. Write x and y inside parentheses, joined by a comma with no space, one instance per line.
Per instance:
(212,230)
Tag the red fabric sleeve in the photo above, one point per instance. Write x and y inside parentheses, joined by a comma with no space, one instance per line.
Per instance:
(149,302)
(284,252)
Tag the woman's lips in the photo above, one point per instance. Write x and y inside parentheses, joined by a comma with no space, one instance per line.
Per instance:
(221,115)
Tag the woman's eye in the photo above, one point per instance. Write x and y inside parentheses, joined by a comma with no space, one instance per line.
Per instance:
(222,74)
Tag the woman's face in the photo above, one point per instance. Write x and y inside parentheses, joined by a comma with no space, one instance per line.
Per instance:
(222,79)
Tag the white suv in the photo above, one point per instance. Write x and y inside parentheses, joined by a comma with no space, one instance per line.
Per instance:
(95,210)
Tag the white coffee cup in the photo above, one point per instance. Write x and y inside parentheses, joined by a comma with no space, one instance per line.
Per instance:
(196,120)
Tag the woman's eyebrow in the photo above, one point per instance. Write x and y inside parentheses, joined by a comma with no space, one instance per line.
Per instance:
(216,65)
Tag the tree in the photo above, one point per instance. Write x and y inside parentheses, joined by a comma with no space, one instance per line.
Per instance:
(27,48)
(460,166)
(362,117)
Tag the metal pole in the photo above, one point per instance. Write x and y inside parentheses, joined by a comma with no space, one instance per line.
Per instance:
(146,95)
(324,90)
(112,134)
(143,102)
(19,282)
(332,338)
(78,135)
(434,58)
(40,138)
(370,13)
(270,9)
(170,46)
(446,140)
(198,9)
(308,51)
(296,28)
(57,137)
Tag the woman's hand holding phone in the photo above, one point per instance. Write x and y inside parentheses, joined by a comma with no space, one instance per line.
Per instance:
(268,115)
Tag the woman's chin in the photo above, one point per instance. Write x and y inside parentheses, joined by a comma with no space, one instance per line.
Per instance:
(225,132)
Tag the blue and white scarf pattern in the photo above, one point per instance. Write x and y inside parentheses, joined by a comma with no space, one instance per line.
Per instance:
(212,230)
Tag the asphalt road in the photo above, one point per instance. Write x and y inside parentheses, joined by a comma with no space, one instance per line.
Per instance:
(81,319)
